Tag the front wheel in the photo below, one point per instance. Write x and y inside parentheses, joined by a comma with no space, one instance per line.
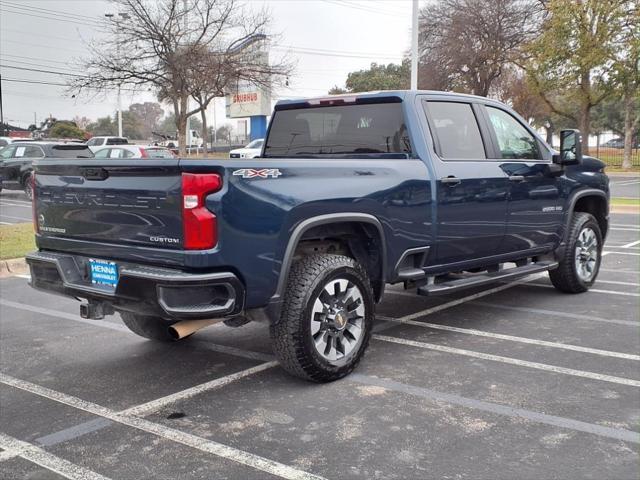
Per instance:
(579,267)
(326,319)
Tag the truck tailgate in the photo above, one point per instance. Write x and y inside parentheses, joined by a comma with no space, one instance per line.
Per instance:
(136,202)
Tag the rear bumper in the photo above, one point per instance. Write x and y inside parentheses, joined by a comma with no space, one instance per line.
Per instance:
(167,293)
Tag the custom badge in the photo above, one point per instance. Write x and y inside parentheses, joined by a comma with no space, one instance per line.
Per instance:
(257,173)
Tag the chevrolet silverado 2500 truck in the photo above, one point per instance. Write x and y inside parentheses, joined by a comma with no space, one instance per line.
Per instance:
(442,192)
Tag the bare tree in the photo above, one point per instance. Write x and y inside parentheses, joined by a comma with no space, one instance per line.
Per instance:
(466,44)
(165,46)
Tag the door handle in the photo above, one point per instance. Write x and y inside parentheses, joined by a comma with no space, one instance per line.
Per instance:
(450,180)
(516,178)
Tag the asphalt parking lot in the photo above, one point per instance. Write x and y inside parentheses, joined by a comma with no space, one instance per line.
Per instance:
(513,381)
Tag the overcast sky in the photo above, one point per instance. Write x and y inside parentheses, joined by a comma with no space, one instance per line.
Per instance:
(48,34)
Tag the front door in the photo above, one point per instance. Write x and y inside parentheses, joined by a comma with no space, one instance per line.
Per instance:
(535,209)
(471,190)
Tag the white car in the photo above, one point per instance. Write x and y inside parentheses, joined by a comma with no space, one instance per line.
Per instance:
(133,151)
(253,150)
(96,143)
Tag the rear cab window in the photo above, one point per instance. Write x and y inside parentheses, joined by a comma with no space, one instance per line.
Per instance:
(455,130)
(117,141)
(338,131)
(71,151)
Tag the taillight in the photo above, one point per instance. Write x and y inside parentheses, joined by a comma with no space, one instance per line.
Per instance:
(198,223)
(32,179)
(143,153)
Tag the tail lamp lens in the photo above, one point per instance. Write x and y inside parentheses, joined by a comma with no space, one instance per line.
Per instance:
(199,224)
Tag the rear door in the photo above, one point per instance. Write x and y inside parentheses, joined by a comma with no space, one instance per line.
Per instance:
(471,188)
(535,209)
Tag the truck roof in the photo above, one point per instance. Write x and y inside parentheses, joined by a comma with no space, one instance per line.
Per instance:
(383,94)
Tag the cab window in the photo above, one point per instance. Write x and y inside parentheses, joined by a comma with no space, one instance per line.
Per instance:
(7,152)
(104,153)
(514,141)
(456,130)
(33,151)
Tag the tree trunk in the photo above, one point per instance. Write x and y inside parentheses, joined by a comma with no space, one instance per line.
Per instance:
(205,129)
(628,129)
(181,124)
(585,125)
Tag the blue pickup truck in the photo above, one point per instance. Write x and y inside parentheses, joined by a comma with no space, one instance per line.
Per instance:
(441,192)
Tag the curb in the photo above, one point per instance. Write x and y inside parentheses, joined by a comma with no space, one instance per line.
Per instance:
(13,266)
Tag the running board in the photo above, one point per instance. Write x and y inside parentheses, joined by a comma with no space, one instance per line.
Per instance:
(454,286)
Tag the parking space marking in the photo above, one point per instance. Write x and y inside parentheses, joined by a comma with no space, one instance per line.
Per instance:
(621,253)
(514,412)
(509,360)
(157,404)
(47,460)
(26,219)
(632,244)
(616,282)
(511,338)
(555,313)
(4,204)
(593,290)
(618,270)
(76,431)
(208,446)
(6,223)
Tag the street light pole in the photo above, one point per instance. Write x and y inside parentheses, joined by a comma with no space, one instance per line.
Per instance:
(414,46)
(122,16)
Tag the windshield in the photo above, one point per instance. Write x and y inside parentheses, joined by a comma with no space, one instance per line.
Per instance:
(256,143)
(338,130)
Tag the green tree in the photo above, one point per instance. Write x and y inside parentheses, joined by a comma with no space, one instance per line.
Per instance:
(103,126)
(573,56)
(149,114)
(377,77)
(66,130)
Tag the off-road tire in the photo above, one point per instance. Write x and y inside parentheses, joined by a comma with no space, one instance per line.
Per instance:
(565,278)
(291,335)
(148,327)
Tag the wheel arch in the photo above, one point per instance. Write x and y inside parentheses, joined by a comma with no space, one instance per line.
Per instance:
(590,201)
(368,223)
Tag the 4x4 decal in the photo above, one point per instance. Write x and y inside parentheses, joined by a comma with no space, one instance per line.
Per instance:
(257,173)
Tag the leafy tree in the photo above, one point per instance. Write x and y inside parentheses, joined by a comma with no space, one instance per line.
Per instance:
(103,126)
(464,45)
(148,114)
(224,132)
(573,56)
(66,130)
(377,77)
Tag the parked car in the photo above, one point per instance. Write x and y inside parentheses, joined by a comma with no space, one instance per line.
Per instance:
(614,143)
(95,143)
(252,150)
(438,191)
(17,161)
(4,141)
(134,151)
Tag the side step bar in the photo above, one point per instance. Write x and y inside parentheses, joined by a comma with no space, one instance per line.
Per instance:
(472,281)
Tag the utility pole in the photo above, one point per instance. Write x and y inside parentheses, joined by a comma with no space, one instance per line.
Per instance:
(122,16)
(1,112)
(186,26)
(414,46)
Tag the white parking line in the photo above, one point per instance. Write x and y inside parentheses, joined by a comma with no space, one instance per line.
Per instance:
(632,244)
(593,290)
(509,360)
(154,405)
(25,219)
(609,252)
(209,446)
(616,282)
(4,204)
(625,225)
(37,455)
(622,229)
(496,408)
(554,313)
(499,336)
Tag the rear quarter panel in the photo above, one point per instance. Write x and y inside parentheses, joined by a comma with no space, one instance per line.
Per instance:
(257,216)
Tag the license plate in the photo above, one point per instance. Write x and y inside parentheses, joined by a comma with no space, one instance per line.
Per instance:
(103,272)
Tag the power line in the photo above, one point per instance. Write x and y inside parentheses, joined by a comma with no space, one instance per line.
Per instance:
(44,71)
(363,8)
(22,9)
(22,80)
(46,60)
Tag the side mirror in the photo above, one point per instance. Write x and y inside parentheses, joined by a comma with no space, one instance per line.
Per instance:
(570,148)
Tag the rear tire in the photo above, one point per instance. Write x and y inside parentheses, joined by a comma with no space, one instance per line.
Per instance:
(579,267)
(152,328)
(28,188)
(326,319)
